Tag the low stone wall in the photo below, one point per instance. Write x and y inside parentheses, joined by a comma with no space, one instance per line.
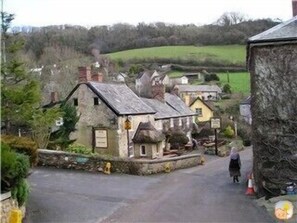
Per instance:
(7,204)
(60,159)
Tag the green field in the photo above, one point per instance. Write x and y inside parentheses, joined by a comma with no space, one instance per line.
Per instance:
(239,82)
(230,53)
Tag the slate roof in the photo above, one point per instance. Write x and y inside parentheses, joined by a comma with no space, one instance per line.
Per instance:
(119,98)
(177,104)
(207,104)
(201,88)
(163,110)
(281,32)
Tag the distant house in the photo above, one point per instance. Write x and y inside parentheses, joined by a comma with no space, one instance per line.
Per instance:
(190,92)
(143,82)
(120,77)
(245,109)
(202,109)
(194,76)
(179,80)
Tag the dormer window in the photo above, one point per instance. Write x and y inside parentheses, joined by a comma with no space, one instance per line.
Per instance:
(75,101)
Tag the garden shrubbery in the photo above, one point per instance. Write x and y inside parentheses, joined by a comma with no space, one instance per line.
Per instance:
(77,148)
(22,145)
(14,170)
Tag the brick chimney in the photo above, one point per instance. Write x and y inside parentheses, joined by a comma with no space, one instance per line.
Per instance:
(54,97)
(294,7)
(84,74)
(158,90)
(97,75)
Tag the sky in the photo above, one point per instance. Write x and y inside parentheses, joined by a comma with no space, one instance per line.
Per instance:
(108,12)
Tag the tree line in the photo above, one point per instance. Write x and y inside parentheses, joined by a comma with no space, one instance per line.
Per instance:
(230,28)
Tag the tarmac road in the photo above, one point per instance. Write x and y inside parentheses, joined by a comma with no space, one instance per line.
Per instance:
(200,194)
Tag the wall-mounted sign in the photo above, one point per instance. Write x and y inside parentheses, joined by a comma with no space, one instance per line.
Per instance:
(101,138)
(127,125)
(215,123)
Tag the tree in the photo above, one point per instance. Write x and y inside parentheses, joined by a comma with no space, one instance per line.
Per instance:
(227,89)
(19,91)
(231,18)
(61,137)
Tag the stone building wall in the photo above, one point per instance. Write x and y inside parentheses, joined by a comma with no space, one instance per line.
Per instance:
(65,160)
(7,204)
(274,111)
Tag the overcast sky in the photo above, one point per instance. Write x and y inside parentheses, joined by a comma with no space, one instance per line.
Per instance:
(108,12)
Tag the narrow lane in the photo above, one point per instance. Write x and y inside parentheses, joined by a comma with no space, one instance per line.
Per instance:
(199,194)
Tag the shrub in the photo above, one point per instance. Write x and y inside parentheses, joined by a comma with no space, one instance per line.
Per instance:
(247,142)
(21,192)
(227,89)
(80,149)
(22,145)
(14,169)
(229,132)
(179,138)
(211,77)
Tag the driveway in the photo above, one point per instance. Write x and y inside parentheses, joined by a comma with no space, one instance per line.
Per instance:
(200,194)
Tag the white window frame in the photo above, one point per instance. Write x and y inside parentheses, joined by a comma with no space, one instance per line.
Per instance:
(188,121)
(199,113)
(142,154)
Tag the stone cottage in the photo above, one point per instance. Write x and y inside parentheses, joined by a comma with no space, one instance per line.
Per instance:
(272,62)
(103,110)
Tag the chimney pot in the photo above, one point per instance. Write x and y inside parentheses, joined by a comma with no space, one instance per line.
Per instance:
(84,74)
(54,97)
(294,7)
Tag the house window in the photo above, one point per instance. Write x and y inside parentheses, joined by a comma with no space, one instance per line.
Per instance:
(142,150)
(96,101)
(199,111)
(75,101)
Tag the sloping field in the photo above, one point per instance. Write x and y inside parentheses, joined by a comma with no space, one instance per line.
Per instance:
(230,53)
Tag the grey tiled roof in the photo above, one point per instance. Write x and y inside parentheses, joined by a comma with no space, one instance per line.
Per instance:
(163,109)
(120,98)
(201,88)
(177,103)
(283,31)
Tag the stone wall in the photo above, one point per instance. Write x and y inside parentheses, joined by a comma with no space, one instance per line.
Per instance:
(65,160)
(7,204)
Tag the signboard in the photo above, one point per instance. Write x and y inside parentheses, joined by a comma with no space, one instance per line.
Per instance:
(101,138)
(215,123)
(127,125)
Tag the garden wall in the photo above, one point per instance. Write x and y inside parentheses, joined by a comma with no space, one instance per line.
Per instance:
(60,159)
(7,204)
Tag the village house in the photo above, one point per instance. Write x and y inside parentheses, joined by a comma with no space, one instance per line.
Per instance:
(105,108)
(188,93)
(120,77)
(179,80)
(144,79)
(272,62)
(194,76)
(203,110)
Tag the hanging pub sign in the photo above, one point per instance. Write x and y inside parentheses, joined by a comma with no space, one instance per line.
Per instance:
(127,125)
(215,123)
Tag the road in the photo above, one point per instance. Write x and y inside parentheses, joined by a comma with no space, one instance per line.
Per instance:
(200,194)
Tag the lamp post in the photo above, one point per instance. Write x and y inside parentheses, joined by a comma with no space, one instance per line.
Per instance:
(127,127)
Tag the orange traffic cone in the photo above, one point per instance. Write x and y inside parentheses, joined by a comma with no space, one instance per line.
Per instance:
(250,189)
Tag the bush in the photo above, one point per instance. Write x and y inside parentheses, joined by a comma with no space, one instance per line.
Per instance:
(247,142)
(22,145)
(80,149)
(179,138)
(229,132)
(21,192)
(227,89)
(211,77)
(14,169)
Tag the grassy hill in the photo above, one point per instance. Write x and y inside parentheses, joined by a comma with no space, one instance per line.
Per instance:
(228,53)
